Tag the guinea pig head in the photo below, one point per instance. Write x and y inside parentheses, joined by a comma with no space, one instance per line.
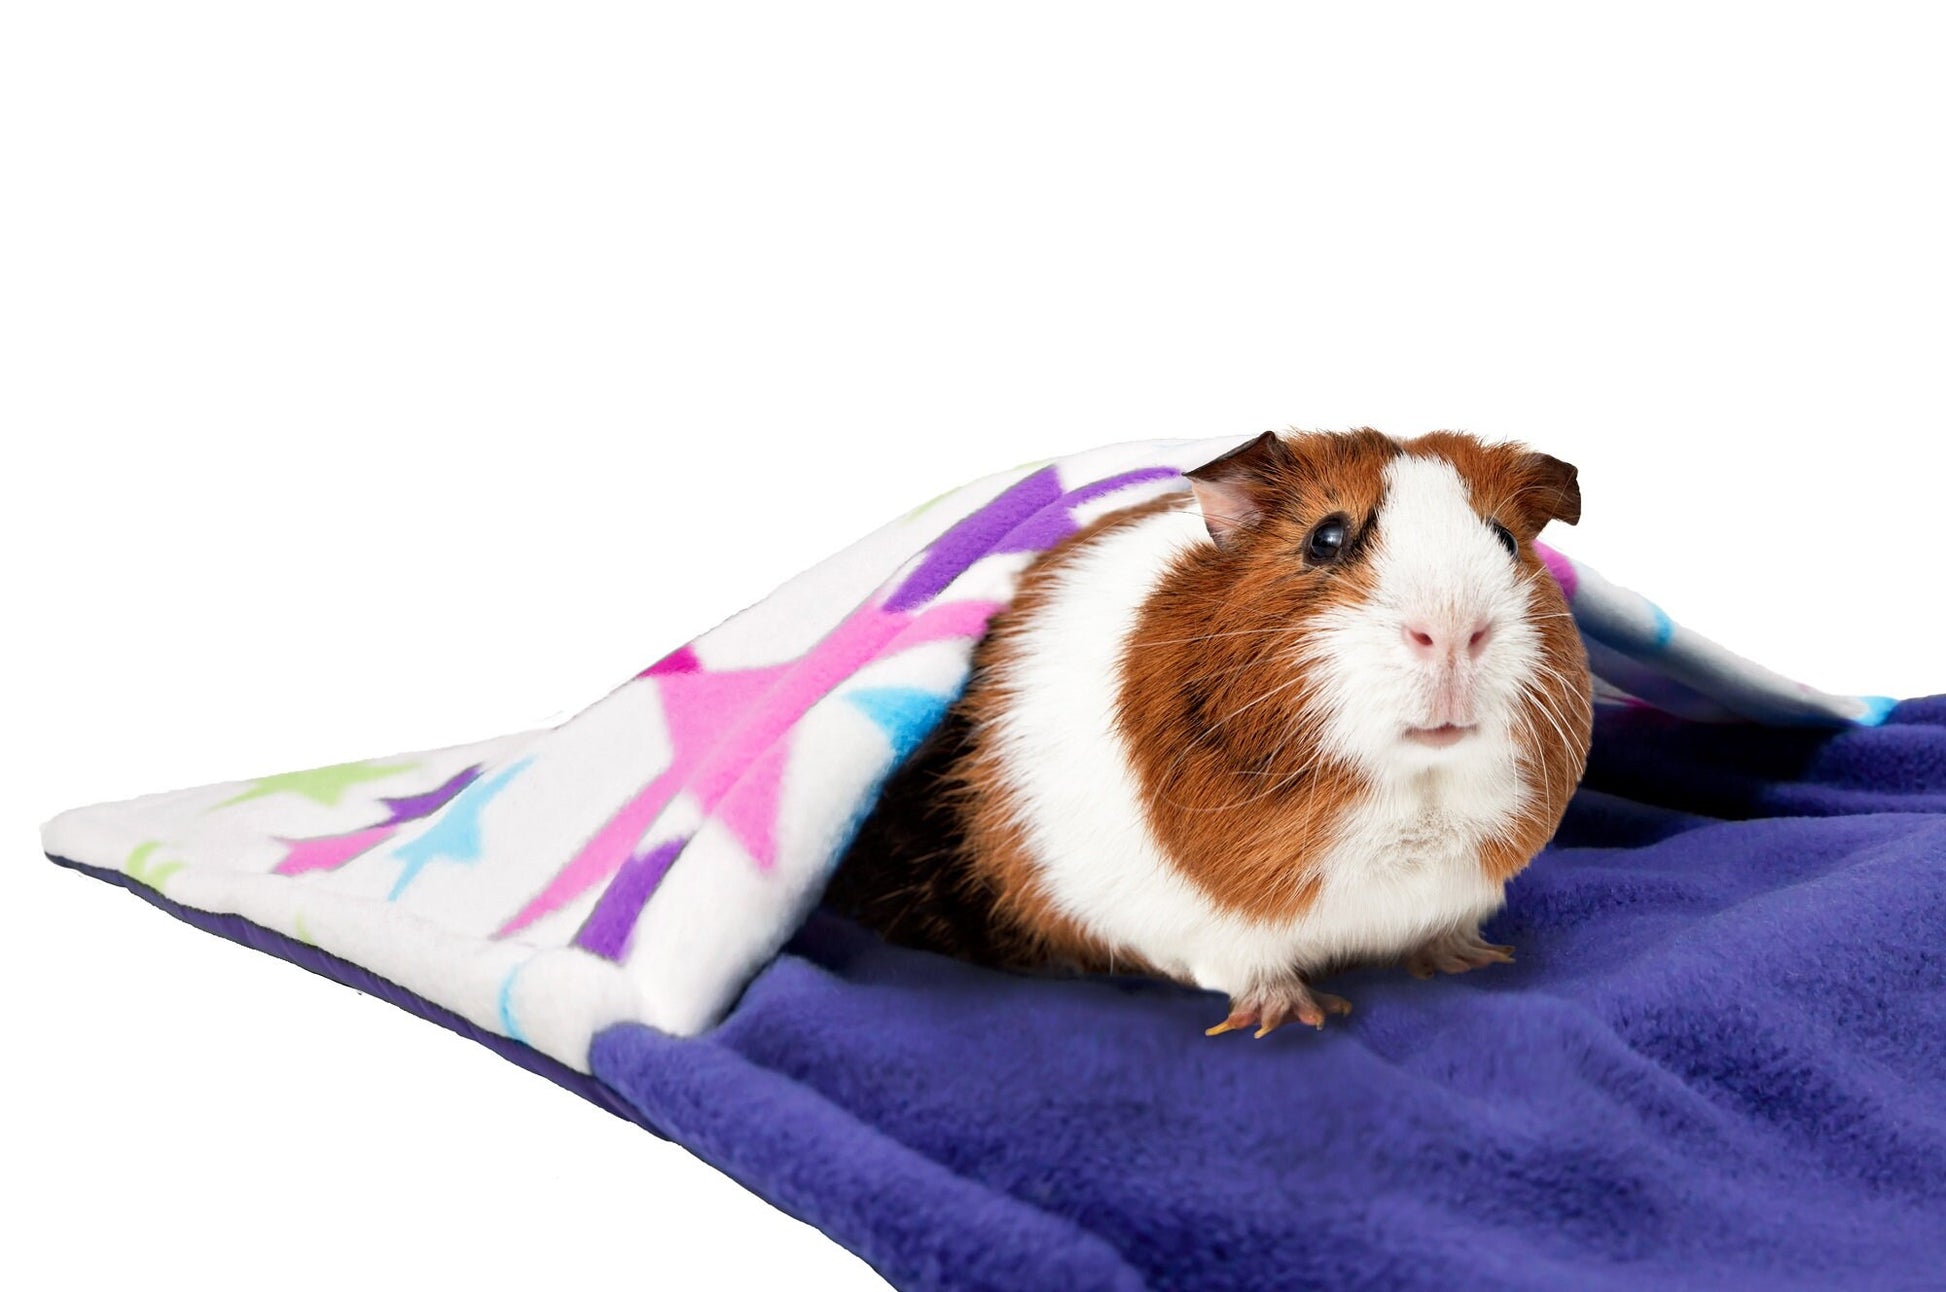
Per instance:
(1400,585)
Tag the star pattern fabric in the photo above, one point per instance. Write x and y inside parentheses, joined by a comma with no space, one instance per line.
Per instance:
(329,852)
(728,731)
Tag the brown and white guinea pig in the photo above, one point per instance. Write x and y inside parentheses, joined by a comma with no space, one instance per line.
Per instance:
(1316,712)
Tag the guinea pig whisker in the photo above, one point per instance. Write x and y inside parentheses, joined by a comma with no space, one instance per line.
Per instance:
(1204,637)
(1531,584)
(1547,711)
(1272,693)
(1558,722)
(1182,755)
(1289,779)
(1562,685)
(1555,674)
(1254,662)
(1285,779)
(1547,779)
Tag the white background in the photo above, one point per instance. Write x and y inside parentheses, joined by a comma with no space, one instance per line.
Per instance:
(378,376)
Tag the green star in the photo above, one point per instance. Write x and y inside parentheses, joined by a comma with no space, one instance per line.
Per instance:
(142,872)
(325,785)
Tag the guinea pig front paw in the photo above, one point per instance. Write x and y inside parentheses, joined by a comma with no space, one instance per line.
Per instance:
(1457,952)
(1269,1007)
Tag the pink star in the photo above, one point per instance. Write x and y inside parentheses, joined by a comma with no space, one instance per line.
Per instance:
(729,734)
(331,851)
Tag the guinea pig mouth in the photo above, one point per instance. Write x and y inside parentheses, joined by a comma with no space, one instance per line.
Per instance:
(1438,737)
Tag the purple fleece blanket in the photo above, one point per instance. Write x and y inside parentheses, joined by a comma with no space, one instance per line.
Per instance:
(1719,1063)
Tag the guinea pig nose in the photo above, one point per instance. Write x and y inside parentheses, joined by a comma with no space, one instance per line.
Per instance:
(1478,641)
(1430,640)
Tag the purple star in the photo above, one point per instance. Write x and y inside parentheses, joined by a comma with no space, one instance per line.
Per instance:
(414,807)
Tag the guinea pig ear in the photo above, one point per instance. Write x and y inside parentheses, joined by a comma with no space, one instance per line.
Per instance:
(1231,489)
(1551,489)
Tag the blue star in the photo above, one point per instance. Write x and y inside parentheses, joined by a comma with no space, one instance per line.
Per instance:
(1665,627)
(455,833)
(905,714)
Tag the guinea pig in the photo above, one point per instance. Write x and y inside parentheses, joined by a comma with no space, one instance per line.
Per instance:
(1315,711)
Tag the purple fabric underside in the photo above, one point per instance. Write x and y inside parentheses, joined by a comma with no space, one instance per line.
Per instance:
(305,956)
(1719,1063)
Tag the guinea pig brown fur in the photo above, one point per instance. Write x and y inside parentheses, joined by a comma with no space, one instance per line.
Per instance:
(1316,711)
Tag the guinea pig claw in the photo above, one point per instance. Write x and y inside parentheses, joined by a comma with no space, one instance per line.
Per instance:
(1319,1005)
(1237,1019)
(1457,952)
(1297,1002)
(1333,1004)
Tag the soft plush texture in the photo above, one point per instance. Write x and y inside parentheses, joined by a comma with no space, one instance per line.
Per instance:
(1717,1062)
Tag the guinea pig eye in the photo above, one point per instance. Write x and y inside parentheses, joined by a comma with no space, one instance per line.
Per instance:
(1506,537)
(1327,541)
